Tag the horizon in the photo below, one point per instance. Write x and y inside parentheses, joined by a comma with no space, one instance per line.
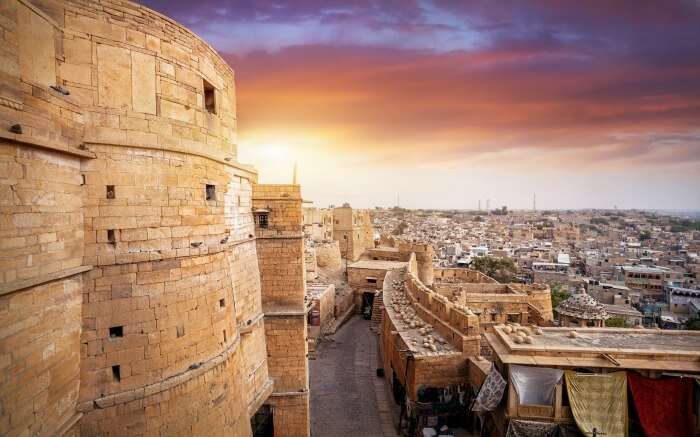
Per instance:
(587,105)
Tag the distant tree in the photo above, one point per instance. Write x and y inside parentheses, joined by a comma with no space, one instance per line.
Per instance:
(558,294)
(644,235)
(599,221)
(502,211)
(693,325)
(616,322)
(478,218)
(501,269)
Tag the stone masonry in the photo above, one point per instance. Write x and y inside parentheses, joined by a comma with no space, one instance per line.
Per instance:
(280,246)
(131,275)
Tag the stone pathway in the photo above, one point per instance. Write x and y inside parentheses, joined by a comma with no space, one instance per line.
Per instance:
(347,398)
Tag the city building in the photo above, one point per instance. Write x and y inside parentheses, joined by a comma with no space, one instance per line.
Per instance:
(353,230)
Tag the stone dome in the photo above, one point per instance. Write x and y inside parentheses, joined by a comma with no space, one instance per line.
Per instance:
(583,306)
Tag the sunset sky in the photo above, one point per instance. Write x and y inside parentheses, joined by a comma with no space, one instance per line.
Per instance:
(586,103)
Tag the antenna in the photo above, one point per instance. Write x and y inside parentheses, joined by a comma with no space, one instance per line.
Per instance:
(479,204)
(534,201)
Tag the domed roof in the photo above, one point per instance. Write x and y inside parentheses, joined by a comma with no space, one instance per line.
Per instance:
(583,306)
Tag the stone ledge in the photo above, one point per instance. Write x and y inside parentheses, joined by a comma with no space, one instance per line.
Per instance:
(260,397)
(280,237)
(14,286)
(304,392)
(27,140)
(247,328)
(243,167)
(283,312)
(158,387)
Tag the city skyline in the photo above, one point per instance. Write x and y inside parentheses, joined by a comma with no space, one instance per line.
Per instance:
(587,105)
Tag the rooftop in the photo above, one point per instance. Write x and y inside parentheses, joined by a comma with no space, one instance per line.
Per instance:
(601,347)
(378,264)
(644,269)
(622,309)
(419,336)
(582,306)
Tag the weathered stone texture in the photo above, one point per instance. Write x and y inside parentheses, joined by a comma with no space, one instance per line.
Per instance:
(41,228)
(121,186)
(39,357)
(210,403)
(280,249)
(353,230)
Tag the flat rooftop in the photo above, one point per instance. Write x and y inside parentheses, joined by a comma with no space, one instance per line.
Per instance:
(385,249)
(631,348)
(378,264)
(645,269)
(316,290)
(413,337)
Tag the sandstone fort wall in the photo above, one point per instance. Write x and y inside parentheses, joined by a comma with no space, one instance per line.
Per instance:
(127,243)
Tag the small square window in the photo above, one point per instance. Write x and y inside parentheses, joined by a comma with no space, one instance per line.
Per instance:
(116,331)
(222,303)
(111,236)
(211,192)
(209,97)
(180,330)
(262,221)
(116,373)
(110,192)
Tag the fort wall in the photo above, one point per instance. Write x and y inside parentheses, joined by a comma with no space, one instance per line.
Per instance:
(280,249)
(130,268)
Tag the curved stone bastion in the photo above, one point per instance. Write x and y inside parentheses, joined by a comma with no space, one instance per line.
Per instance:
(130,287)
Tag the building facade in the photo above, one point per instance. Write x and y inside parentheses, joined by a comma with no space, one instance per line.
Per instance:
(353,230)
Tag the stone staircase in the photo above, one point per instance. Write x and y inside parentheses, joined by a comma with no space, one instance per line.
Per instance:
(376,313)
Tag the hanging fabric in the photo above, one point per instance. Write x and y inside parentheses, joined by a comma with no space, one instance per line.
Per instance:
(664,406)
(535,385)
(529,428)
(599,401)
(491,391)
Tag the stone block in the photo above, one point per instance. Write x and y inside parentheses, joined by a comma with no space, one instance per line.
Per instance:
(143,81)
(113,76)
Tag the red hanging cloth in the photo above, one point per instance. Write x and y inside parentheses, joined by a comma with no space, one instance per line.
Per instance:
(664,406)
